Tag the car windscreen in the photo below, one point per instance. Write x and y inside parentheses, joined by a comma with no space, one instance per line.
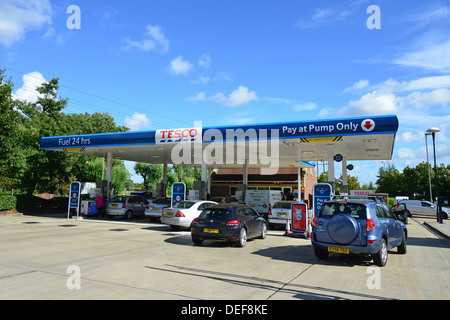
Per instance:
(184,205)
(118,199)
(162,201)
(217,214)
(282,205)
(356,210)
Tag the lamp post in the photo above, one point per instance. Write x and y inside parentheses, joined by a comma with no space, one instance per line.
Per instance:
(429,167)
(433,131)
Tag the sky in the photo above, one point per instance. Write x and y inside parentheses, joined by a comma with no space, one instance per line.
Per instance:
(165,64)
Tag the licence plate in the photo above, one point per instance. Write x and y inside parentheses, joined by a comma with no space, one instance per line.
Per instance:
(170,214)
(114,206)
(338,250)
(282,214)
(155,208)
(210,230)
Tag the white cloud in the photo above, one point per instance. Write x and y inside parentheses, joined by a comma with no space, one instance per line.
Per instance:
(372,103)
(19,16)
(361,84)
(238,97)
(241,96)
(137,122)
(205,61)
(155,40)
(308,106)
(324,17)
(179,66)
(434,57)
(28,92)
(408,137)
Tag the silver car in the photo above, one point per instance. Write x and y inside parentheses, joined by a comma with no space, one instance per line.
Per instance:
(127,206)
(422,207)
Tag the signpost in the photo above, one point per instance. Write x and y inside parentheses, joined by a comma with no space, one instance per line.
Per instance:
(74,198)
(322,192)
(178,192)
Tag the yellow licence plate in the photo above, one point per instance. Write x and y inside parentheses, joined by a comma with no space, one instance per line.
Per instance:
(338,250)
(114,206)
(281,214)
(170,214)
(155,208)
(211,230)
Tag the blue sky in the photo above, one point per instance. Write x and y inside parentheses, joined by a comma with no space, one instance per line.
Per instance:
(166,64)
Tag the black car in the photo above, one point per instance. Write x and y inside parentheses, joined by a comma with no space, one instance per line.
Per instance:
(234,223)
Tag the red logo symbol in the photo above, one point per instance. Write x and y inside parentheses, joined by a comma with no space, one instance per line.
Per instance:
(368,125)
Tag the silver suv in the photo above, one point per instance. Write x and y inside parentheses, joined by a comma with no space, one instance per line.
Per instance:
(127,206)
(422,207)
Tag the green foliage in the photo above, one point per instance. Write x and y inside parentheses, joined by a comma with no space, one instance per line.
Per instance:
(22,162)
(7,202)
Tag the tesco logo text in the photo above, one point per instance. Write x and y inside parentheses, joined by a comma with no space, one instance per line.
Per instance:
(178,133)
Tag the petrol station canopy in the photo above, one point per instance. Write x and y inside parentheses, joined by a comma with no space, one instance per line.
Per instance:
(289,144)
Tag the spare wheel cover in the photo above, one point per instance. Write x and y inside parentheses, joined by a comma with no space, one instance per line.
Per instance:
(343,229)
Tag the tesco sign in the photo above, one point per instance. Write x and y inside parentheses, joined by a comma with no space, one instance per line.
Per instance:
(178,135)
(361,192)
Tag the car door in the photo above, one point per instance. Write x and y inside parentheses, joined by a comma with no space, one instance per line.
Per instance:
(392,224)
(428,208)
(254,222)
(141,203)
(246,219)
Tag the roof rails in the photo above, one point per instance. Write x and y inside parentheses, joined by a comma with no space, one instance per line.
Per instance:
(343,196)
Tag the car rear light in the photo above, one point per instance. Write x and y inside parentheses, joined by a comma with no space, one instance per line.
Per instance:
(195,221)
(370,224)
(179,214)
(314,222)
(371,241)
(233,223)
(270,210)
(124,206)
(147,208)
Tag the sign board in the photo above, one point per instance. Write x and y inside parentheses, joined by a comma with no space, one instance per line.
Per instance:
(338,157)
(322,192)
(361,192)
(299,217)
(74,197)
(178,192)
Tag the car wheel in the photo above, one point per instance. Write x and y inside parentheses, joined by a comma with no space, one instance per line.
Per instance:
(242,238)
(321,253)
(380,258)
(129,214)
(197,240)
(402,247)
(444,215)
(263,231)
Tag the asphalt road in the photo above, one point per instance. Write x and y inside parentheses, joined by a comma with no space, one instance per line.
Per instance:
(54,258)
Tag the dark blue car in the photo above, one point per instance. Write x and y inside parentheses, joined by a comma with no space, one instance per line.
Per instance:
(231,222)
(366,227)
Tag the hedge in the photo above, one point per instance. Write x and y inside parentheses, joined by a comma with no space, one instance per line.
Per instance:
(7,202)
(20,202)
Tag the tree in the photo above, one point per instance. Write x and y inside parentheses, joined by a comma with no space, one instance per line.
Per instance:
(389,181)
(12,157)
(151,173)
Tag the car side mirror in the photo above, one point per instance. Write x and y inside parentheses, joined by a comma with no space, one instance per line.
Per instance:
(402,217)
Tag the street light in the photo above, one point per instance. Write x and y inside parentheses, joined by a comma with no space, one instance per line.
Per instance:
(433,131)
(428,165)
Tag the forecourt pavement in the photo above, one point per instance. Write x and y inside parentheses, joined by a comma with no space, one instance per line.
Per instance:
(55,258)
